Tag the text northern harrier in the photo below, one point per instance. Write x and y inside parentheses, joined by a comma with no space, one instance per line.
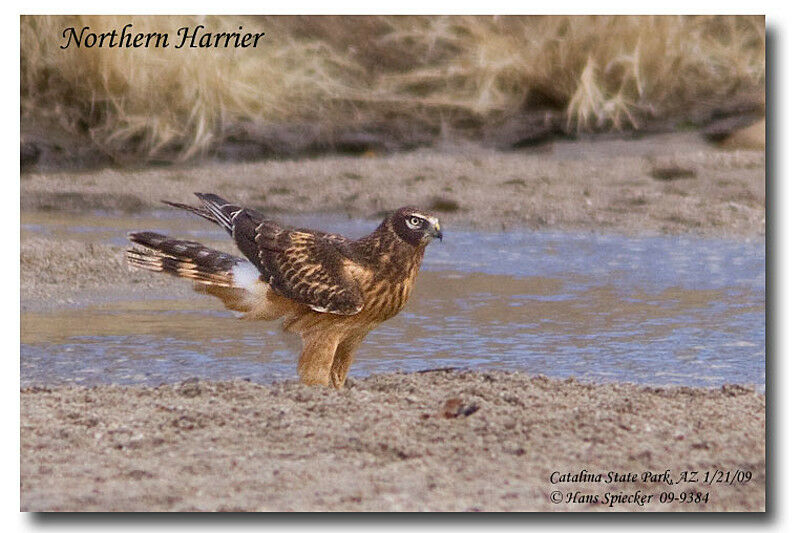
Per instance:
(186,38)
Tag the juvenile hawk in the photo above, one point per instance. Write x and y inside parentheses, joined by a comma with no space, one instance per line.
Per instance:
(330,290)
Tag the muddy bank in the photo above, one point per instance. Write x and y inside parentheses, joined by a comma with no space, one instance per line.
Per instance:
(56,274)
(672,183)
(444,441)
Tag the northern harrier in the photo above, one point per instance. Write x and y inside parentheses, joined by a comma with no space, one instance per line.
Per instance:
(330,290)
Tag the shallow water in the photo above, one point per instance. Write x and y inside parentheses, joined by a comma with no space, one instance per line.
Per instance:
(660,310)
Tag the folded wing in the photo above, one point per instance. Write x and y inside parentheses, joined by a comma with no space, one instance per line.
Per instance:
(307,267)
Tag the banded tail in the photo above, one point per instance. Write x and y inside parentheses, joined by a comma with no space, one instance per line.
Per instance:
(185,259)
(234,280)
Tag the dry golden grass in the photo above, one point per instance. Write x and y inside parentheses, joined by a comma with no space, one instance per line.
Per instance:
(601,71)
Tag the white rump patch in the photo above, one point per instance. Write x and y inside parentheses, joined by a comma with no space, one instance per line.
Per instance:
(246,276)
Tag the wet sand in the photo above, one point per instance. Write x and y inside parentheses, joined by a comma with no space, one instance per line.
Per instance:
(435,441)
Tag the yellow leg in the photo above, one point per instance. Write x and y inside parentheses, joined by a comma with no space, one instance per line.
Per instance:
(314,366)
(343,359)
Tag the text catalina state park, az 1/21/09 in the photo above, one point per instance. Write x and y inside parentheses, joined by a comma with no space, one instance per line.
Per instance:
(186,37)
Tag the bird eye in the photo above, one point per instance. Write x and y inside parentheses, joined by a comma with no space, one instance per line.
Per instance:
(413,222)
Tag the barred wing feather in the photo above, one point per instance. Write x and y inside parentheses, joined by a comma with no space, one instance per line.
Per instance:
(309,268)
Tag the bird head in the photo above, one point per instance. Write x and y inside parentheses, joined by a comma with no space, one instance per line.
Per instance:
(415,226)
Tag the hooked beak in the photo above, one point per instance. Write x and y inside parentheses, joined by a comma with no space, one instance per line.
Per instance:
(436,232)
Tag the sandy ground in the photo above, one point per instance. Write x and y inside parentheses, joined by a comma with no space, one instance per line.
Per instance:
(436,441)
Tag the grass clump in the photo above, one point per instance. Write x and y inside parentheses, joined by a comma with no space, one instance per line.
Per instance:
(453,72)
